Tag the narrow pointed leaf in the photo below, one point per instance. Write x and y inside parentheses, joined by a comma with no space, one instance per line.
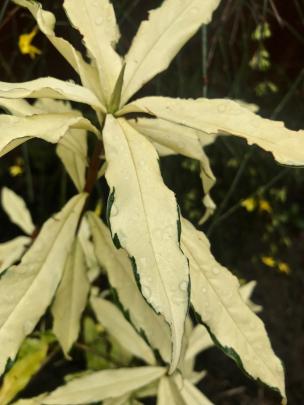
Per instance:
(31,401)
(246,291)
(122,280)
(11,251)
(117,326)
(168,393)
(192,396)
(46,23)
(102,385)
(18,107)
(37,279)
(49,127)
(17,378)
(185,141)
(70,299)
(49,87)
(96,22)
(85,239)
(160,38)
(235,328)
(227,117)
(146,224)
(72,151)
(17,211)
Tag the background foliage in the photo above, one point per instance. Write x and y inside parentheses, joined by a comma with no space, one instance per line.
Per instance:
(253,51)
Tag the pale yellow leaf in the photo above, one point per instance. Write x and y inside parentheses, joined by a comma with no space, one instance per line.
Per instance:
(85,239)
(49,87)
(31,401)
(96,22)
(191,395)
(18,107)
(216,299)
(11,251)
(122,280)
(168,392)
(146,224)
(70,299)
(185,141)
(17,210)
(72,151)
(103,384)
(49,127)
(227,117)
(36,279)
(46,22)
(160,38)
(246,291)
(117,326)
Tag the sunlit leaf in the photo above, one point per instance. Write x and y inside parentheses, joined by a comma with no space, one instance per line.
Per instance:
(26,290)
(11,251)
(103,384)
(160,38)
(235,328)
(116,325)
(146,224)
(17,210)
(70,299)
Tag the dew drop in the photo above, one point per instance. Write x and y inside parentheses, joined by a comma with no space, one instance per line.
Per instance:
(194,10)
(215,270)
(99,21)
(146,291)
(204,290)
(183,285)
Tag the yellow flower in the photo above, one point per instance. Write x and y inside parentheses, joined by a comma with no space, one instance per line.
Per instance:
(25,44)
(268,261)
(284,267)
(249,204)
(265,206)
(15,170)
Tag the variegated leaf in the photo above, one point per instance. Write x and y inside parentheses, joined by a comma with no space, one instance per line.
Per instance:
(160,38)
(117,326)
(103,385)
(96,22)
(236,329)
(122,280)
(168,393)
(11,251)
(191,395)
(36,279)
(146,224)
(227,117)
(70,299)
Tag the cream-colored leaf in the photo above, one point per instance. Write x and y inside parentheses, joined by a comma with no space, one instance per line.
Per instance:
(70,299)
(103,384)
(49,127)
(18,107)
(185,141)
(72,151)
(144,219)
(117,326)
(168,392)
(17,210)
(246,291)
(96,22)
(227,117)
(123,400)
(199,340)
(11,251)
(31,401)
(46,23)
(160,38)
(85,238)
(122,280)
(36,279)
(216,299)
(49,87)
(191,395)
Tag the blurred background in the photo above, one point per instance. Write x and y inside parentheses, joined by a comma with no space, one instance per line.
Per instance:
(252,51)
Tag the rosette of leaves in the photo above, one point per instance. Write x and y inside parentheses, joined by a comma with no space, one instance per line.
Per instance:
(172,265)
